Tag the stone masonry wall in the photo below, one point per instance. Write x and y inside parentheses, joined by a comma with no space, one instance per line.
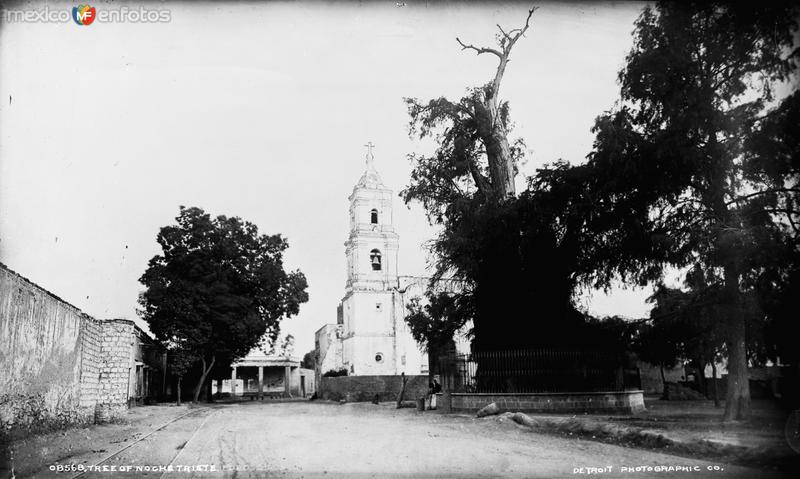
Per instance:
(91,342)
(364,388)
(625,401)
(116,354)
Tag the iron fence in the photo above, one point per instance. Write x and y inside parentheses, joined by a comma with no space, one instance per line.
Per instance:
(536,371)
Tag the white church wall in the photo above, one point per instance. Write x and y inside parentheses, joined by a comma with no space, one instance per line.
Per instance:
(347,354)
(371,334)
(374,312)
(365,351)
(411,358)
(349,316)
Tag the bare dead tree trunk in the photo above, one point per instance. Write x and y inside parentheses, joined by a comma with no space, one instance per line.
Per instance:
(402,390)
(179,390)
(491,125)
(203,377)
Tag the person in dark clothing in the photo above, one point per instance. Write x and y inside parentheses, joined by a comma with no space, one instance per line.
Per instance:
(435,386)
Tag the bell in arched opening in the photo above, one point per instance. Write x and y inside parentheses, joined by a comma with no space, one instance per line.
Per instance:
(375,259)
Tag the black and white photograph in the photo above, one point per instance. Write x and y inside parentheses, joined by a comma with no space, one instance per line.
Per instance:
(399,239)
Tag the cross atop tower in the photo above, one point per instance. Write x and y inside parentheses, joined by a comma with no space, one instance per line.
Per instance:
(370,178)
(370,157)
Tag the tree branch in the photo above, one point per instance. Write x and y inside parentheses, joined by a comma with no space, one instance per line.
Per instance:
(465,110)
(782,210)
(788,213)
(478,50)
(511,40)
(758,193)
(504,32)
(480,181)
(455,185)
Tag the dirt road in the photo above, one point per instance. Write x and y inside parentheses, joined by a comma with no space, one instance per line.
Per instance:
(313,440)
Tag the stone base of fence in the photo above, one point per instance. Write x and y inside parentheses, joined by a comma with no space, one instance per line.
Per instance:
(626,402)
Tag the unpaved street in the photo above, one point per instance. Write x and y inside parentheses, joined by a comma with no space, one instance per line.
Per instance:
(312,440)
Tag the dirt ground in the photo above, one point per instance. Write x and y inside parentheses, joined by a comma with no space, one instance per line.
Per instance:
(701,417)
(33,453)
(762,438)
(317,439)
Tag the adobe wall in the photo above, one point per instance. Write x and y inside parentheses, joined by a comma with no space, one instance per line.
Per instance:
(364,388)
(40,354)
(328,349)
(57,364)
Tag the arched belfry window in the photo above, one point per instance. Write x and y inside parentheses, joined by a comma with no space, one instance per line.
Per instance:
(373,216)
(375,259)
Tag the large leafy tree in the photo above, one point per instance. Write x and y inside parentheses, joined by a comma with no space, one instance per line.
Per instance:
(488,240)
(217,289)
(517,256)
(694,166)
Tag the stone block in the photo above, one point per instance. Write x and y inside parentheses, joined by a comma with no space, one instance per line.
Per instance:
(488,410)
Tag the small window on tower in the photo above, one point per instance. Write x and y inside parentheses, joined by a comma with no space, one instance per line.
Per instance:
(375,259)
(373,215)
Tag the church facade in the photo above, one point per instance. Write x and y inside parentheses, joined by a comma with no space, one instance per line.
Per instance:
(370,336)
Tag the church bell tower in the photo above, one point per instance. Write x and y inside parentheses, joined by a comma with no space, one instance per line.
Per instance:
(369,345)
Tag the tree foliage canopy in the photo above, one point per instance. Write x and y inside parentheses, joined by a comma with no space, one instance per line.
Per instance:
(218,287)
(695,167)
(435,322)
(675,162)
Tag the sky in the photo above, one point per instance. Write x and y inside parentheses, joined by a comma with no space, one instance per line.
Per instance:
(262,111)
